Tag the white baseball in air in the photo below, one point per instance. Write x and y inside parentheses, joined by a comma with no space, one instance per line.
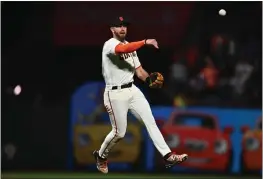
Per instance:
(17,90)
(222,12)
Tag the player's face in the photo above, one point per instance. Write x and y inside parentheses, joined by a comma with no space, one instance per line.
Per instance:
(120,32)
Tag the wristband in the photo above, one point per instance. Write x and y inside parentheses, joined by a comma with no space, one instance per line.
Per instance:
(145,41)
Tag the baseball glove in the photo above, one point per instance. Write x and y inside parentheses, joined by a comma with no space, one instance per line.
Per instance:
(156,80)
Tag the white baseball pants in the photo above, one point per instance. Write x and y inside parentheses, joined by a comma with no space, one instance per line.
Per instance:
(117,103)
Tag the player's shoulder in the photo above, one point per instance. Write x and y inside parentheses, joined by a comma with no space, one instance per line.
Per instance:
(111,41)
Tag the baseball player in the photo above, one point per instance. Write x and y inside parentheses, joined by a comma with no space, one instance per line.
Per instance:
(119,64)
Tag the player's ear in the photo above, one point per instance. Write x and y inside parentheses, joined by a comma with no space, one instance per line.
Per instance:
(112,29)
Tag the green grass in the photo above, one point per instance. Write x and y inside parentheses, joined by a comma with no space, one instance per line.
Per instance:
(32,175)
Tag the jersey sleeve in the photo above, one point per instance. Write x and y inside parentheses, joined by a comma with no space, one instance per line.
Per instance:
(137,62)
(111,44)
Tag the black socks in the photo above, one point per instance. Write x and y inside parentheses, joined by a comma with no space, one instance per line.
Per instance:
(167,156)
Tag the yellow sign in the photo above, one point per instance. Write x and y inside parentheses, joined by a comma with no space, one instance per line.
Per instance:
(89,138)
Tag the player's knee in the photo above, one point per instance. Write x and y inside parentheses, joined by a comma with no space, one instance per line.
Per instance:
(120,135)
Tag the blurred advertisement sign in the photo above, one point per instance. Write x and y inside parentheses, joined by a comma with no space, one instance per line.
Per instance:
(216,139)
(251,147)
(199,135)
(90,125)
(86,23)
(89,138)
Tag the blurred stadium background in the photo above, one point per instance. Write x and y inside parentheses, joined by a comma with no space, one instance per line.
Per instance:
(212,66)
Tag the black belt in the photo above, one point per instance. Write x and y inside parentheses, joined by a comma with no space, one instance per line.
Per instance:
(128,85)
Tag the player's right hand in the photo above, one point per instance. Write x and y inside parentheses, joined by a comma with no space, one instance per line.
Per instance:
(152,42)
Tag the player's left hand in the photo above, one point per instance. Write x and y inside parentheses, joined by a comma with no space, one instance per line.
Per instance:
(156,80)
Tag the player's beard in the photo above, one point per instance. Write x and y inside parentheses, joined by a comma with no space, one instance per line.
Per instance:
(120,36)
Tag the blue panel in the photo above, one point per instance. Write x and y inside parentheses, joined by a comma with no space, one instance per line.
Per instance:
(87,97)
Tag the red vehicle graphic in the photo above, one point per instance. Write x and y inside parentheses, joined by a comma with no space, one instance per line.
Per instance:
(198,135)
(251,156)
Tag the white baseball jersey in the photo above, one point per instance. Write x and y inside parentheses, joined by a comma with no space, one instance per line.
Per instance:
(118,69)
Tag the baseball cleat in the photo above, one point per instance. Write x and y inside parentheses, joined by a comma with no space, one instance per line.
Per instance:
(174,159)
(102,164)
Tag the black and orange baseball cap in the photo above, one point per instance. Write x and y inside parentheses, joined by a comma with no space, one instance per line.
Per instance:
(119,21)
